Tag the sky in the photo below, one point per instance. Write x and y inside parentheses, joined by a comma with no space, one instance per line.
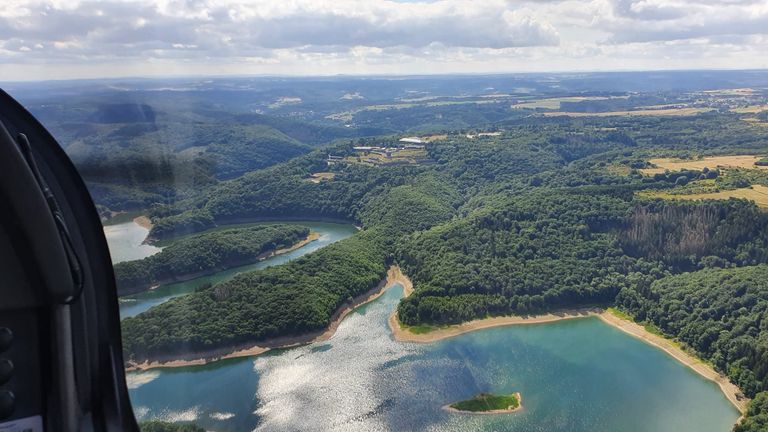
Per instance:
(64,39)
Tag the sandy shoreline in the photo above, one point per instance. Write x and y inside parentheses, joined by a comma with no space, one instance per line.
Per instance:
(394,275)
(730,390)
(449,408)
(143,222)
(404,335)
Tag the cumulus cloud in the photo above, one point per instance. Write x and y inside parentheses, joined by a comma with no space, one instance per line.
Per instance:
(233,28)
(666,20)
(350,36)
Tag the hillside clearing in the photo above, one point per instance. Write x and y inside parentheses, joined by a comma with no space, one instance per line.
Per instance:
(756,193)
(732,161)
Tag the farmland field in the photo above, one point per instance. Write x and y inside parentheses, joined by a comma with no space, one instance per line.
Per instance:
(655,112)
(756,193)
(751,109)
(734,161)
(554,103)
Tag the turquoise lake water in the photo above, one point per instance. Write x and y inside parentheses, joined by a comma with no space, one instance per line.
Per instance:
(576,375)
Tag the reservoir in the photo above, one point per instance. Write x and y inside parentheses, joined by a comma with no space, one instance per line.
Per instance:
(125,242)
(135,304)
(574,375)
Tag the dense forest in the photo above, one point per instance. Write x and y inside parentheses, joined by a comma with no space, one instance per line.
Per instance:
(756,418)
(722,315)
(291,299)
(298,297)
(201,254)
(544,215)
(534,252)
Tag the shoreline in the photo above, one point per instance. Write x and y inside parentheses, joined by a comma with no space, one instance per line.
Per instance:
(732,392)
(249,220)
(451,409)
(394,276)
(404,335)
(313,236)
(144,222)
(257,219)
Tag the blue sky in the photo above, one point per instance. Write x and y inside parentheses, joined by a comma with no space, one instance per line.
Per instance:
(48,39)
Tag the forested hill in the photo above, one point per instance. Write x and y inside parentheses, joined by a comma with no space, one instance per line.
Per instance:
(293,299)
(549,214)
(139,150)
(521,254)
(721,313)
(204,254)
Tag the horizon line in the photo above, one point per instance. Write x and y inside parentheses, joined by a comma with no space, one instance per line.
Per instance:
(380,75)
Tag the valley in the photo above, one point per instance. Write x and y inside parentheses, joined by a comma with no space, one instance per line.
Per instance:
(500,198)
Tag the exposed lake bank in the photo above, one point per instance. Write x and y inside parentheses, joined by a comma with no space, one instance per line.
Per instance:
(730,390)
(143,221)
(578,375)
(127,240)
(135,289)
(394,276)
(133,304)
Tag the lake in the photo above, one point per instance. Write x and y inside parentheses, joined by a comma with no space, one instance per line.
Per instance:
(137,303)
(125,242)
(575,375)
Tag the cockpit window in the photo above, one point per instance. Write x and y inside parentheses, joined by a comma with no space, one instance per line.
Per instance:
(399,215)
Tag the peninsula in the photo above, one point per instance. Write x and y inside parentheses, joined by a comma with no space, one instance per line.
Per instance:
(207,253)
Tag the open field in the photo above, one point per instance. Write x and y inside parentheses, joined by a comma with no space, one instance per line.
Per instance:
(349,115)
(432,138)
(321,176)
(732,92)
(756,121)
(733,161)
(617,169)
(636,113)
(756,193)
(554,103)
(662,106)
(406,156)
(752,109)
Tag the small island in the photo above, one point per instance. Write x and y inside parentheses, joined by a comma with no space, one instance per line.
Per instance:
(487,403)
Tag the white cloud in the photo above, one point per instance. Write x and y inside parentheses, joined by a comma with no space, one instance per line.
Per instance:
(126,37)
(663,20)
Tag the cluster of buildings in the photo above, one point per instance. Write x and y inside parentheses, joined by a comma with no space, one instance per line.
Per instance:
(386,151)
